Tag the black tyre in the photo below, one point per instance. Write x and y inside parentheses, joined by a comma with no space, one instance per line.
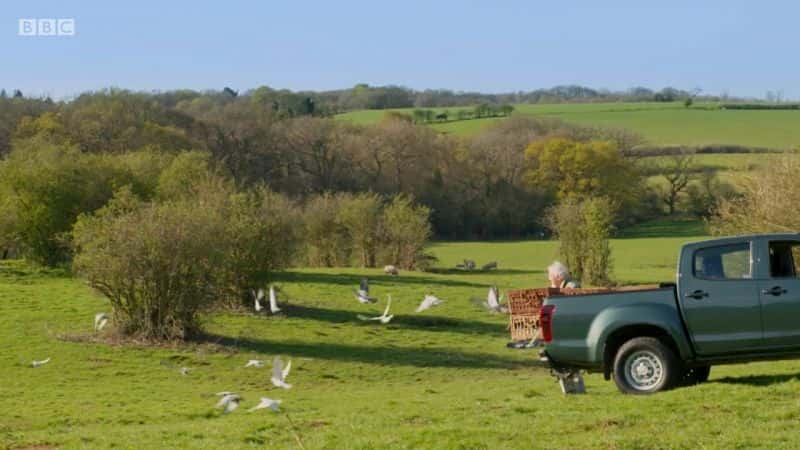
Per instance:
(644,365)
(696,375)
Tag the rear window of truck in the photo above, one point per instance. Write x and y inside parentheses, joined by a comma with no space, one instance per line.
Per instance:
(723,262)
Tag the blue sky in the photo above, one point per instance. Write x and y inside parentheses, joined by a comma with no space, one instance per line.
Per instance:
(744,48)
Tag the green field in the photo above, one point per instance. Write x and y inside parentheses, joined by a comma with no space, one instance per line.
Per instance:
(659,123)
(439,379)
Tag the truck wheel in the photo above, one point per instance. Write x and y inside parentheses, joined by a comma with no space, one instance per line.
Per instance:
(644,365)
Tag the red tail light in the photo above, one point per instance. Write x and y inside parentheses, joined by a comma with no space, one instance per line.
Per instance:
(546,322)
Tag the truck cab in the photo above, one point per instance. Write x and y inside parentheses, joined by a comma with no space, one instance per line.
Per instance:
(735,299)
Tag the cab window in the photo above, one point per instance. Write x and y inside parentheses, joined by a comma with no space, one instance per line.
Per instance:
(783,257)
(724,262)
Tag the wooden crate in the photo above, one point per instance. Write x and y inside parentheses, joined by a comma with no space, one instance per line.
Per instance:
(524,327)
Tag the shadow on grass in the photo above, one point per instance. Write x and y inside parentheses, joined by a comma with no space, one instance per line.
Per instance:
(759,380)
(454,271)
(350,279)
(382,355)
(408,322)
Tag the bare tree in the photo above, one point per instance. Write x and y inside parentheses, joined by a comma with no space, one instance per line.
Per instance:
(678,174)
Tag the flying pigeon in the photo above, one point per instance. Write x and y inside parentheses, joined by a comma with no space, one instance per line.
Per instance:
(228,402)
(184,371)
(391,270)
(279,373)
(385,317)
(489,266)
(100,321)
(273,301)
(267,403)
(428,302)
(257,363)
(493,300)
(258,296)
(362,294)
(40,363)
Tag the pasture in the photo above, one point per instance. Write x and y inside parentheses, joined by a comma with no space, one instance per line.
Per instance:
(438,379)
(659,123)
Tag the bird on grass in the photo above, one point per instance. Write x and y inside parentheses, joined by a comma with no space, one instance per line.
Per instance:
(265,403)
(273,301)
(362,294)
(229,401)
(391,270)
(383,318)
(489,266)
(469,264)
(257,363)
(100,321)
(279,373)
(184,371)
(493,300)
(258,296)
(429,302)
(35,364)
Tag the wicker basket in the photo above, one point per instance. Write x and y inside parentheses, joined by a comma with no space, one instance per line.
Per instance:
(524,328)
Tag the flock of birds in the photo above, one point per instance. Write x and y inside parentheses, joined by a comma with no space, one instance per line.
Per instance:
(229,401)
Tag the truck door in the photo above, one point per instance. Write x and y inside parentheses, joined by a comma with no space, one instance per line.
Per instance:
(719,298)
(779,290)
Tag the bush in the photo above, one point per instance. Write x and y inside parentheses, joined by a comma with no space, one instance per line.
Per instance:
(325,240)
(406,231)
(767,202)
(360,218)
(261,238)
(583,228)
(157,264)
(45,188)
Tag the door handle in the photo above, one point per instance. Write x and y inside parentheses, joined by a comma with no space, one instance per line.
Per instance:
(775,290)
(697,295)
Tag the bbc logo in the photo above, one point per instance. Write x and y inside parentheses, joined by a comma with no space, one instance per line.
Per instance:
(46,27)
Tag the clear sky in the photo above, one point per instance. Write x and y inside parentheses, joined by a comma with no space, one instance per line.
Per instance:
(742,47)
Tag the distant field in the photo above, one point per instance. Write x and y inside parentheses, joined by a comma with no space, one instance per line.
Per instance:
(659,123)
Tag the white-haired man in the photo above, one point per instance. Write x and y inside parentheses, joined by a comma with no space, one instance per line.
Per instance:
(559,276)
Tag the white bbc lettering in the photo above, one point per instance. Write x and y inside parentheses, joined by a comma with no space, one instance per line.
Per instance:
(27,27)
(46,27)
(66,27)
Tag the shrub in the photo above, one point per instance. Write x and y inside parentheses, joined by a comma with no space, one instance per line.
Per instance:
(583,228)
(261,237)
(158,264)
(45,188)
(360,218)
(767,203)
(406,231)
(325,240)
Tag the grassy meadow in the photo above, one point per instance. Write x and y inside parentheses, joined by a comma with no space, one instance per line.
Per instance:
(659,123)
(439,379)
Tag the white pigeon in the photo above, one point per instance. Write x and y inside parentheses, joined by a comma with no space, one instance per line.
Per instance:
(228,402)
(100,321)
(273,301)
(492,302)
(267,403)
(362,294)
(40,363)
(428,302)
(257,363)
(279,373)
(385,317)
(391,270)
(258,296)
(184,371)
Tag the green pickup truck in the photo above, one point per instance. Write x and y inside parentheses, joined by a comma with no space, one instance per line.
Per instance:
(735,300)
